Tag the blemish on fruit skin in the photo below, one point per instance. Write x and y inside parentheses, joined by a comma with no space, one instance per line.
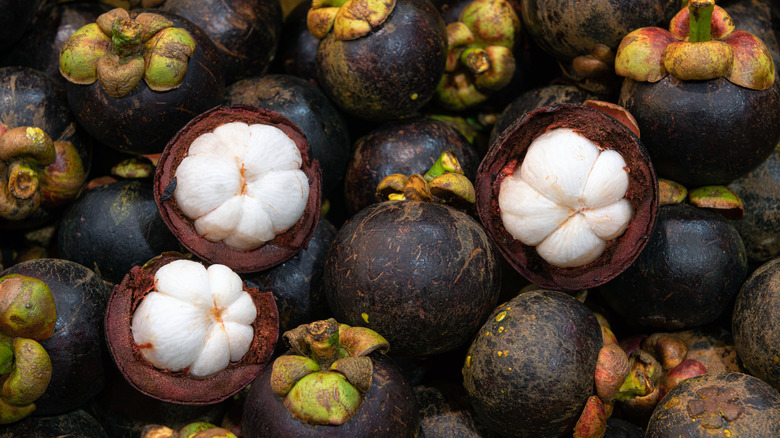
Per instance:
(364,315)
(500,317)
(500,353)
(501,329)
(672,403)
(414,96)
(468,361)
(727,433)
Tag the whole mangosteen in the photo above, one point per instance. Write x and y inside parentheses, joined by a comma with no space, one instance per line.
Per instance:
(379,60)
(568,195)
(237,186)
(335,381)
(186,333)
(424,275)
(136,78)
(530,369)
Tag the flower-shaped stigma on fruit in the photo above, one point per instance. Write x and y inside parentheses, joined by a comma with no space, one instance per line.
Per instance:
(701,44)
(242,185)
(195,319)
(567,199)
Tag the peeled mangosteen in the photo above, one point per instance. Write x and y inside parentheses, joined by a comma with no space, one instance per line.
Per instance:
(687,276)
(136,95)
(335,381)
(245,32)
(185,333)
(112,228)
(238,186)
(423,275)
(308,108)
(722,404)
(755,323)
(404,146)
(77,346)
(45,156)
(530,369)
(380,61)
(569,196)
(75,423)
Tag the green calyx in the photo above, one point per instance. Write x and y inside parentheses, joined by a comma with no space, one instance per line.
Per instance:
(119,51)
(26,377)
(701,44)
(347,19)
(24,154)
(323,381)
(27,307)
(645,373)
(479,59)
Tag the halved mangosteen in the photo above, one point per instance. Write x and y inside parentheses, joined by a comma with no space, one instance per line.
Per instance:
(185,333)
(237,186)
(569,195)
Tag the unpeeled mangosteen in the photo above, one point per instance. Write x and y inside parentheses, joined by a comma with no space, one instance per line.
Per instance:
(245,32)
(384,63)
(113,227)
(568,195)
(722,404)
(405,146)
(423,275)
(77,347)
(755,323)
(184,333)
(530,369)
(691,269)
(74,423)
(130,96)
(238,186)
(335,381)
(308,108)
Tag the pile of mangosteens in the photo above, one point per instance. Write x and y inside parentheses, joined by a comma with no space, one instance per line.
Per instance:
(395,218)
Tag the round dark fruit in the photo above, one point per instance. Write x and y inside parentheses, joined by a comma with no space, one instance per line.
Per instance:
(238,186)
(75,423)
(530,369)
(568,195)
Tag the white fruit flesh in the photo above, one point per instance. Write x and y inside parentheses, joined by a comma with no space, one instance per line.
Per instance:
(195,318)
(567,199)
(242,185)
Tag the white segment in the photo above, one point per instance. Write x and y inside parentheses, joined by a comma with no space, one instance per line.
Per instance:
(254,228)
(184,280)
(240,339)
(286,204)
(611,221)
(207,144)
(526,213)
(242,310)
(608,181)
(215,354)
(204,183)
(219,223)
(572,244)
(226,287)
(236,136)
(273,151)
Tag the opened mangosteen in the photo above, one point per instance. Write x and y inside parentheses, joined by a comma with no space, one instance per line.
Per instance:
(423,274)
(76,348)
(569,196)
(530,369)
(238,186)
(186,333)
(45,159)
(113,227)
(692,268)
(722,404)
(335,381)
(704,95)
(379,60)
(136,78)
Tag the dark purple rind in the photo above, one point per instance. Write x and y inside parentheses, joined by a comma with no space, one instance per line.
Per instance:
(510,147)
(276,251)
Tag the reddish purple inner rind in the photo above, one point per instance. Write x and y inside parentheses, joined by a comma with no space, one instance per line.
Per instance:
(604,131)
(177,387)
(276,251)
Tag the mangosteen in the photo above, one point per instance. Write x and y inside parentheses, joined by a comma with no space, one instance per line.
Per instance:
(297,283)
(530,369)
(378,60)
(134,79)
(245,32)
(424,275)
(308,108)
(446,412)
(704,95)
(405,146)
(45,158)
(687,276)
(620,428)
(756,324)
(568,195)
(723,404)
(113,227)
(77,346)
(75,423)
(237,186)
(335,381)
(186,333)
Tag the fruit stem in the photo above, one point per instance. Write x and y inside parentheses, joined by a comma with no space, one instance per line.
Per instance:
(700,20)
(127,34)
(446,163)
(323,340)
